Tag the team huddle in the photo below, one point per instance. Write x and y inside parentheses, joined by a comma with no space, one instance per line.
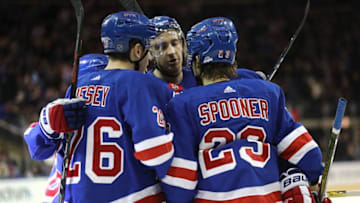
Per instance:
(193,128)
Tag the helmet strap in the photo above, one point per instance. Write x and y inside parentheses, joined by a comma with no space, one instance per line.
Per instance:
(195,63)
(137,63)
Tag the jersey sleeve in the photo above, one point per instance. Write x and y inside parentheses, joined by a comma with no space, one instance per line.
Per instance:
(144,114)
(296,145)
(40,147)
(181,180)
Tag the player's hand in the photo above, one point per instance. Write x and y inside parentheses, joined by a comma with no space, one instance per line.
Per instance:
(325,199)
(61,116)
(295,187)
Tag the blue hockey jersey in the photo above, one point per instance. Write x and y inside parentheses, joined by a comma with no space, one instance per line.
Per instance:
(228,137)
(188,80)
(123,146)
(244,73)
(41,147)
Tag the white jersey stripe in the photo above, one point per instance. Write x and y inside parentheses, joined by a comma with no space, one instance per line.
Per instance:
(243,192)
(153,142)
(294,159)
(184,163)
(136,196)
(289,139)
(179,182)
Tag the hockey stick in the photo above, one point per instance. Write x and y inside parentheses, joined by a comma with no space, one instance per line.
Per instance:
(332,145)
(79,12)
(292,39)
(131,5)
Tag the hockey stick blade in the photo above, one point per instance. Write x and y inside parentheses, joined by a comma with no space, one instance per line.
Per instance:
(292,39)
(79,13)
(340,110)
(131,5)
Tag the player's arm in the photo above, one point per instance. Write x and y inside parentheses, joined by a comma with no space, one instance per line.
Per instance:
(180,182)
(296,145)
(56,118)
(40,147)
(144,113)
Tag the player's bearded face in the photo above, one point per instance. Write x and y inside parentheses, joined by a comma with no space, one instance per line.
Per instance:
(167,49)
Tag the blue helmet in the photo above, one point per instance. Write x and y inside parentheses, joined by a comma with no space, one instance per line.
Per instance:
(119,28)
(165,23)
(92,62)
(214,40)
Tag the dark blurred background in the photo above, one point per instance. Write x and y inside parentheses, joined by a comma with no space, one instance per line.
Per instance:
(37,39)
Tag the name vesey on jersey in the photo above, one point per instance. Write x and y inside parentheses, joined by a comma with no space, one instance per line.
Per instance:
(225,109)
(94,95)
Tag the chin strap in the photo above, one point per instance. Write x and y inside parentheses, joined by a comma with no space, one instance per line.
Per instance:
(137,65)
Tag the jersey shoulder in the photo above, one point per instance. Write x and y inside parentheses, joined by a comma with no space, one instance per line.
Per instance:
(188,78)
(258,85)
(244,73)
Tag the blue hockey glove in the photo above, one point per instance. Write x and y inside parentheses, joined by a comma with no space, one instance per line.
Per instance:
(61,116)
(295,187)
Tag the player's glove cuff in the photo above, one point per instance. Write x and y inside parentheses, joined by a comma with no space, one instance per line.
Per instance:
(45,127)
(292,178)
(61,116)
(295,187)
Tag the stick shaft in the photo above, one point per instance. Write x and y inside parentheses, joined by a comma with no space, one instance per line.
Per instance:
(332,145)
(292,39)
(79,12)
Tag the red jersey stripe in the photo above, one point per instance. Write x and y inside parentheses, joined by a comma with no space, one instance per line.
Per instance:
(153,152)
(296,145)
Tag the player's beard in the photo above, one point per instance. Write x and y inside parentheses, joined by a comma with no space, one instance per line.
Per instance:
(169,72)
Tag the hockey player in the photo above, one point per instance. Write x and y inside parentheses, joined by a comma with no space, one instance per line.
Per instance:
(229,133)
(34,135)
(123,146)
(92,62)
(169,53)
(169,50)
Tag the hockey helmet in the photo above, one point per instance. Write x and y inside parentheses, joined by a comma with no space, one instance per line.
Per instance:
(92,62)
(214,40)
(119,28)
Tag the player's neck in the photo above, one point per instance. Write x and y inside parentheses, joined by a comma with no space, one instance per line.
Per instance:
(207,81)
(119,64)
(168,78)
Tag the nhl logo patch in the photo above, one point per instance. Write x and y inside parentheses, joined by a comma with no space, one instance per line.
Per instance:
(175,87)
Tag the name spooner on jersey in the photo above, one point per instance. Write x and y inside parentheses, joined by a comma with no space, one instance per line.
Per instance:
(225,109)
(94,95)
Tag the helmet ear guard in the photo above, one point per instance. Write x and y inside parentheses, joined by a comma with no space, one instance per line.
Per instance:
(119,28)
